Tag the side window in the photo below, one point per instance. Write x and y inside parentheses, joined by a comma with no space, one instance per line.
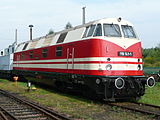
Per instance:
(1,52)
(31,54)
(91,30)
(25,46)
(61,37)
(85,33)
(98,31)
(44,53)
(22,55)
(58,51)
(12,49)
(8,50)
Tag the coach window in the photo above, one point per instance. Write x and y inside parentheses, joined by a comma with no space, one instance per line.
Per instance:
(98,31)
(91,30)
(22,55)
(58,51)
(44,53)
(31,54)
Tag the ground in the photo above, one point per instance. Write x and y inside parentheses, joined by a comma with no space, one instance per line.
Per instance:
(80,108)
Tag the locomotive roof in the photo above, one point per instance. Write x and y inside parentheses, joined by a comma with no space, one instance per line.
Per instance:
(73,34)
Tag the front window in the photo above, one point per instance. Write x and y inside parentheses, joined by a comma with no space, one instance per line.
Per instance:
(128,31)
(111,30)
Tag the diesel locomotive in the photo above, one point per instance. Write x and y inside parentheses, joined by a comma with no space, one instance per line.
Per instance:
(102,59)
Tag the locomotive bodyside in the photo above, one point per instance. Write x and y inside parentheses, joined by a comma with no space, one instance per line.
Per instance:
(97,58)
(6,61)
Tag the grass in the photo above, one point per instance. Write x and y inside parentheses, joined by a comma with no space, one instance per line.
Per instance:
(74,106)
(152,95)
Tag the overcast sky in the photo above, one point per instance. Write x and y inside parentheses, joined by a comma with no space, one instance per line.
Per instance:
(47,14)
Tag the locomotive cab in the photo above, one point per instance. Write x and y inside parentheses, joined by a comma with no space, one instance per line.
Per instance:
(120,59)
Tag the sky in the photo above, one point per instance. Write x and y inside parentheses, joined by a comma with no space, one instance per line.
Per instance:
(55,14)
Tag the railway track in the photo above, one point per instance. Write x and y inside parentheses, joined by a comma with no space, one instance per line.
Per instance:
(139,107)
(14,108)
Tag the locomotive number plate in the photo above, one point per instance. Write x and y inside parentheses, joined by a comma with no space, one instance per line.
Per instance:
(125,53)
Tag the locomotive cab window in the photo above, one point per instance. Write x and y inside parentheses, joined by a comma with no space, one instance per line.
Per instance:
(98,31)
(111,30)
(128,31)
(44,53)
(58,51)
(91,30)
(85,33)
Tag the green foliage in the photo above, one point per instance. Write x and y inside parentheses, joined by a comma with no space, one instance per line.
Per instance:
(50,32)
(68,25)
(151,57)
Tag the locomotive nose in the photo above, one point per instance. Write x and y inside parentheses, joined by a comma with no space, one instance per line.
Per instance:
(119,83)
(150,81)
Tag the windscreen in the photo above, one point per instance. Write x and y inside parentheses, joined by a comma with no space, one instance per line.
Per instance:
(111,30)
(128,31)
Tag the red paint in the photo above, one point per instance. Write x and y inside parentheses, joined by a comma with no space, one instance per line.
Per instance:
(84,49)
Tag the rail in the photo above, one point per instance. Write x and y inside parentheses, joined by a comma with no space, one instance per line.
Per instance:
(139,107)
(17,108)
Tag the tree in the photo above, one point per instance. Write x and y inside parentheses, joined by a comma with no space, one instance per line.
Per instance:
(50,32)
(68,25)
(151,56)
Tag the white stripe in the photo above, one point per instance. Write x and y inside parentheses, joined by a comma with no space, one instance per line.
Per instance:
(113,59)
(80,66)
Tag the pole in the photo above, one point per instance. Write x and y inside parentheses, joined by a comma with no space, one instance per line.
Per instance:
(84,15)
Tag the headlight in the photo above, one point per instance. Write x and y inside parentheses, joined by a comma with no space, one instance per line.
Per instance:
(108,67)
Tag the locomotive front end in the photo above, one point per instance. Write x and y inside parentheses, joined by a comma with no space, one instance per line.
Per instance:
(120,60)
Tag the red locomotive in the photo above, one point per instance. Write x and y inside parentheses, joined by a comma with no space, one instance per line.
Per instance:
(103,59)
